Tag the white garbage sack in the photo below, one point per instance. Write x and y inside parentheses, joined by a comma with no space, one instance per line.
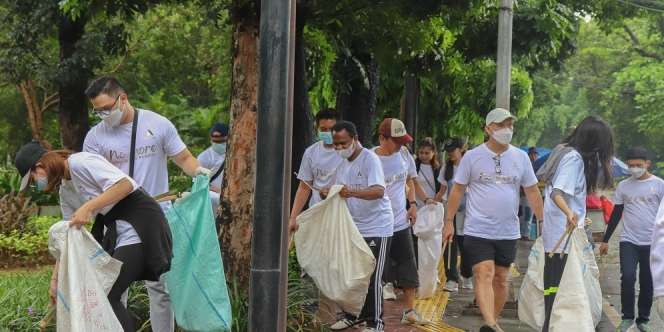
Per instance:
(85,276)
(429,232)
(333,253)
(578,303)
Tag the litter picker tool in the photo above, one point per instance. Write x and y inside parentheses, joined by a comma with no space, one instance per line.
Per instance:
(568,233)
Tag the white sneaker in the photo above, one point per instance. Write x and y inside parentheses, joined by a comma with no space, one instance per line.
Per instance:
(342,324)
(451,286)
(388,292)
(467,283)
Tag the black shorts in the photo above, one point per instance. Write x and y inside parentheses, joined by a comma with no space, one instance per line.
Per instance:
(403,269)
(477,250)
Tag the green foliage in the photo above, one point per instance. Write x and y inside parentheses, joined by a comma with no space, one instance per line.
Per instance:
(24,298)
(27,245)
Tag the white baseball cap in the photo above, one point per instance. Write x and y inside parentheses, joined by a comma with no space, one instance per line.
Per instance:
(498,115)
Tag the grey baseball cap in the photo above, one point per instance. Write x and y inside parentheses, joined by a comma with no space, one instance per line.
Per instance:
(498,115)
(26,158)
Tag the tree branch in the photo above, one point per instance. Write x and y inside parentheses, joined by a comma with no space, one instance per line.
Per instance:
(50,101)
(638,48)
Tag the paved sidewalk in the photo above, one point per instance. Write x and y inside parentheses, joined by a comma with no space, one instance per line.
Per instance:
(459,313)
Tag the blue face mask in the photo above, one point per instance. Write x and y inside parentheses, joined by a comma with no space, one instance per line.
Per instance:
(219,148)
(325,137)
(41,183)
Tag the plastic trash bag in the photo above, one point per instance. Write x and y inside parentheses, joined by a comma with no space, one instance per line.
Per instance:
(578,303)
(429,232)
(85,276)
(333,252)
(196,282)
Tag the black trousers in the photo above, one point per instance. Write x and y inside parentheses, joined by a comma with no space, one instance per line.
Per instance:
(372,311)
(133,262)
(631,256)
(553,272)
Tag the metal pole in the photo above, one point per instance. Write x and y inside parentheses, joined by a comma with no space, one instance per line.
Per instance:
(504,60)
(269,269)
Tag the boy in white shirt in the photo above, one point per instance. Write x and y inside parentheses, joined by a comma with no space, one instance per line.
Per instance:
(214,159)
(636,199)
(493,173)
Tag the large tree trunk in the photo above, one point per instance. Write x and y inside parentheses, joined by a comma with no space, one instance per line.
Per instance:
(240,170)
(72,81)
(358,91)
(302,117)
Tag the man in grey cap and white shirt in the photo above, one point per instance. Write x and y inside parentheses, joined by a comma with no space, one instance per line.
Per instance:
(493,173)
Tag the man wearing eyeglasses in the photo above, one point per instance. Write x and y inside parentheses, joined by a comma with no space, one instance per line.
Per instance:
(493,173)
(155,141)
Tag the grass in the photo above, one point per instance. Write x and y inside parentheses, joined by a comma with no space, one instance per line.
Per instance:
(23,298)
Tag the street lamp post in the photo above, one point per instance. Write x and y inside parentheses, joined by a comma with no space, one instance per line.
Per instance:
(504,58)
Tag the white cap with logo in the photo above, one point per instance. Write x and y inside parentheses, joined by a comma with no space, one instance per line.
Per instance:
(498,115)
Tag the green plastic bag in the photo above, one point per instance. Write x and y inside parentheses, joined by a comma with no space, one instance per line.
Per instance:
(196,281)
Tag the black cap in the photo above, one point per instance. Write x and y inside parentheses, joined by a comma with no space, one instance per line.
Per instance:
(26,158)
(637,153)
(221,128)
(452,144)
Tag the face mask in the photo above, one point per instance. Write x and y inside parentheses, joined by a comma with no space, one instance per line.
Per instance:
(325,137)
(114,118)
(637,172)
(219,148)
(347,152)
(41,183)
(503,136)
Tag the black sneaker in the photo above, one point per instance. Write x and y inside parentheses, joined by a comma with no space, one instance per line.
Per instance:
(487,328)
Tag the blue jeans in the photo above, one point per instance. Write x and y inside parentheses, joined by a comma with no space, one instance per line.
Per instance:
(632,255)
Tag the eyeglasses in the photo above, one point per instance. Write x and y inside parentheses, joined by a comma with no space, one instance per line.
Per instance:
(496,162)
(105,111)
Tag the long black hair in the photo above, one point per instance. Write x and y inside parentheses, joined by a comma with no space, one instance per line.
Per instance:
(593,139)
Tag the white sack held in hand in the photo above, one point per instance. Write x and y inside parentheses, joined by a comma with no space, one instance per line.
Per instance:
(429,232)
(85,276)
(578,303)
(333,252)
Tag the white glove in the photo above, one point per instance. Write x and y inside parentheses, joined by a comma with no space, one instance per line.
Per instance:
(203,171)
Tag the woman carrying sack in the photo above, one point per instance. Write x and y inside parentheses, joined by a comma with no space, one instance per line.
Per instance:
(137,232)
(577,167)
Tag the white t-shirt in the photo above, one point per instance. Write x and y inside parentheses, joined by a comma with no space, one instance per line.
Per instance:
(641,199)
(91,175)
(156,140)
(427,181)
(448,188)
(212,160)
(398,168)
(493,199)
(319,164)
(657,253)
(373,218)
(571,180)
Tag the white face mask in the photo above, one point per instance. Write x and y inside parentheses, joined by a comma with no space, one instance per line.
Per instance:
(637,172)
(503,136)
(114,118)
(347,152)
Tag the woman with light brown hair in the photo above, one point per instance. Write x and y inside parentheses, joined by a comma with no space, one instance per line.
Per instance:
(137,233)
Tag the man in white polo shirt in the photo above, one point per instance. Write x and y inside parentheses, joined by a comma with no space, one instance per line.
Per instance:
(493,173)
(365,192)
(155,141)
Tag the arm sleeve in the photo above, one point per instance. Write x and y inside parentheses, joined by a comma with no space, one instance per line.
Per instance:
(528,179)
(566,175)
(374,169)
(171,140)
(613,222)
(412,168)
(462,174)
(90,143)
(306,172)
(98,172)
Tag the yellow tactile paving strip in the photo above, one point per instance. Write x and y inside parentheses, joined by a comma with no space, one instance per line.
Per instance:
(433,308)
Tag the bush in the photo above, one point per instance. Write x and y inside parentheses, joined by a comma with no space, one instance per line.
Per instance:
(27,247)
